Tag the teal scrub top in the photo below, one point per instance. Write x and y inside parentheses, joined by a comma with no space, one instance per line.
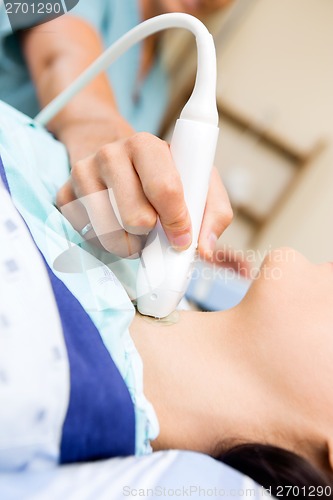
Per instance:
(142,104)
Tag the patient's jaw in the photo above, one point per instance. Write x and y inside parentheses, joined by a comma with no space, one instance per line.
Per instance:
(294,319)
(260,372)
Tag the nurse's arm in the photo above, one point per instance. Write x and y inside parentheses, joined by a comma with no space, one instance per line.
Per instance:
(56,53)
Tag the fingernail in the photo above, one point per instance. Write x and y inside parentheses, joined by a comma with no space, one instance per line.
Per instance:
(181,242)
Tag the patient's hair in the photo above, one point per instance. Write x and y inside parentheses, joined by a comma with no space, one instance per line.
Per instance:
(277,469)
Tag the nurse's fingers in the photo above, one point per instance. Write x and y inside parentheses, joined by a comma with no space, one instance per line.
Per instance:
(92,215)
(71,207)
(217,216)
(128,184)
(162,186)
(133,210)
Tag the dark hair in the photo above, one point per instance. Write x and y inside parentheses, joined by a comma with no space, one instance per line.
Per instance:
(277,470)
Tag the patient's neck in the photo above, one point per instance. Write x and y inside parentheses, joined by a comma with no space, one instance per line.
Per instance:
(213,383)
(200,378)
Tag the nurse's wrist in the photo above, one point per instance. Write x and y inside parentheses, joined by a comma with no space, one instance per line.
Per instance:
(84,137)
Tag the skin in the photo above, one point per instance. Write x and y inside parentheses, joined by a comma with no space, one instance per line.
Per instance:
(195,7)
(260,372)
(110,155)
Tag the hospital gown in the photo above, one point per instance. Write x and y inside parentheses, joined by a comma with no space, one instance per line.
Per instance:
(36,166)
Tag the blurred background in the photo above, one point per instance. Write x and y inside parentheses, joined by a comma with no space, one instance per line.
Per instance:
(275,100)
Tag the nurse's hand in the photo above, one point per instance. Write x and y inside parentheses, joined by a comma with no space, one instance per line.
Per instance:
(120,181)
(113,198)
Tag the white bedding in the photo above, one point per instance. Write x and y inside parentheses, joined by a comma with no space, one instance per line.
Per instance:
(170,474)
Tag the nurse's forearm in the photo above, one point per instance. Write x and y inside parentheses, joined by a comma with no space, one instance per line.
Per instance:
(56,53)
